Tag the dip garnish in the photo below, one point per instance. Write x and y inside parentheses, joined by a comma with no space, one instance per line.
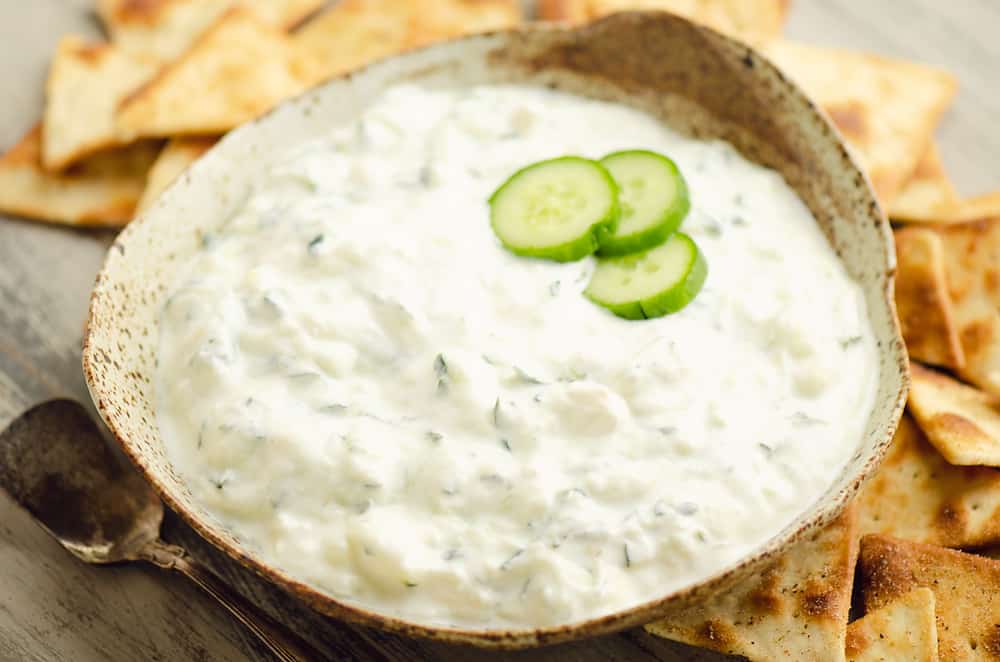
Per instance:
(653,198)
(657,282)
(558,209)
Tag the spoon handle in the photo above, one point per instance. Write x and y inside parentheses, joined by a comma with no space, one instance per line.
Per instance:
(282,642)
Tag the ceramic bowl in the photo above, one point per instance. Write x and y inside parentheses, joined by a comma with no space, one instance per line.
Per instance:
(693,79)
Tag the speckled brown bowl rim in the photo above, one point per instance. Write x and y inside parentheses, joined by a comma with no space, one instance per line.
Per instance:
(638,614)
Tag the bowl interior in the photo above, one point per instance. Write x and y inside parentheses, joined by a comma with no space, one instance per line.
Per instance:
(695,80)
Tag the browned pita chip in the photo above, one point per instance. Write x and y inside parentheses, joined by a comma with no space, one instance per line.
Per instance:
(237,70)
(886,109)
(929,193)
(962,422)
(918,496)
(966,592)
(972,267)
(752,20)
(86,82)
(102,190)
(173,160)
(930,197)
(922,299)
(795,610)
(163,29)
(902,630)
(356,32)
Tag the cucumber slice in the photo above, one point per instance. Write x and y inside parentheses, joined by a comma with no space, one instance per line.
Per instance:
(656,282)
(558,209)
(654,200)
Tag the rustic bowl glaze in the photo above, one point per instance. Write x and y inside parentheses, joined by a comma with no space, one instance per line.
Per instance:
(696,80)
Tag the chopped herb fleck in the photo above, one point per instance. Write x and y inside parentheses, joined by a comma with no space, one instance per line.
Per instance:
(372,486)
(628,559)
(409,584)
(554,288)
(524,588)
(713,228)
(768,450)
(668,430)
(740,221)
(248,402)
(433,437)
(441,370)
(738,199)
(700,535)
(660,508)
(506,445)
(207,241)
(849,342)
(452,554)
(335,408)
(506,564)
(537,397)
(315,242)
(496,412)
(686,508)
(220,481)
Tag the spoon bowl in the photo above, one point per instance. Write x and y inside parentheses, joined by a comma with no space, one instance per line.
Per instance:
(55,462)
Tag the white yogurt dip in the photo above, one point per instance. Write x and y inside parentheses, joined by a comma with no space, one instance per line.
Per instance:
(378,398)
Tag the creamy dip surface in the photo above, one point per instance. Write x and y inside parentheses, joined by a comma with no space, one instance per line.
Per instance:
(358,380)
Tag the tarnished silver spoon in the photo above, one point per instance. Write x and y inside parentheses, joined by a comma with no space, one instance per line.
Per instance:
(54,461)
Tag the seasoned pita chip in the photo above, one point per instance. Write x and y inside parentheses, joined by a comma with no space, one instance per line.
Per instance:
(237,70)
(100,191)
(752,20)
(794,610)
(972,267)
(86,82)
(885,109)
(356,32)
(928,195)
(926,313)
(962,422)
(175,158)
(163,29)
(917,495)
(902,630)
(966,592)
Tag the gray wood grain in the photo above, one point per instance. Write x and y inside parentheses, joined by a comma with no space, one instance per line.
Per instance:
(55,608)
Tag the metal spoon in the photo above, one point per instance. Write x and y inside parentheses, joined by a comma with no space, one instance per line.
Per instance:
(54,461)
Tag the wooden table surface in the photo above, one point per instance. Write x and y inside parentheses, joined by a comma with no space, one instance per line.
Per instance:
(55,608)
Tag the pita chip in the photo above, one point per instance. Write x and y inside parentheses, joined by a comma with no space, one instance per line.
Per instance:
(796,609)
(930,197)
(356,32)
(237,70)
(751,20)
(966,592)
(163,29)
(175,158)
(902,630)
(100,191)
(929,193)
(886,109)
(85,84)
(962,422)
(917,495)
(972,268)
(924,305)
